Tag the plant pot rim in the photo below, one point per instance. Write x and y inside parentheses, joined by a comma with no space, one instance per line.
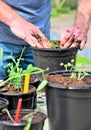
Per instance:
(59,86)
(54,49)
(19,94)
(23,124)
(5,101)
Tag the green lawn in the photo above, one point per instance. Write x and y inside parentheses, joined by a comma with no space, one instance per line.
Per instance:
(82,60)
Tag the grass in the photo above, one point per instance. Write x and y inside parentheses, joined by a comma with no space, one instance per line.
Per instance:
(64,10)
(56,12)
(82,60)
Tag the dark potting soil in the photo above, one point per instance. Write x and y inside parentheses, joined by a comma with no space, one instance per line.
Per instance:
(36,117)
(11,90)
(67,81)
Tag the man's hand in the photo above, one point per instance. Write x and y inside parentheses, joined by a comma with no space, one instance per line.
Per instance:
(76,36)
(21,27)
(73,37)
(31,34)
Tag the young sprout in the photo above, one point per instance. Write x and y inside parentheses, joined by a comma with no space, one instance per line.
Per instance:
(8,113)
(68,65)
(73,75)
(77,71)
(53,44)
(82,75)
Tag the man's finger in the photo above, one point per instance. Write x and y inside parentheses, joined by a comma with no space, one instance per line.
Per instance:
(82,44)
(66,36)
(75,44)
(69,42)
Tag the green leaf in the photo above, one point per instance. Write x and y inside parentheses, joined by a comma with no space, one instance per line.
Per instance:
(16,72)
(8,113)
(27,127)
(41,86)
(30,68)
(29,117)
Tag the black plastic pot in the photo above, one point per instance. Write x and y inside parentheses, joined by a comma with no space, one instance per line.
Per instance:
(68,108)
(3,103)
(36,81)
(51,58)
(37,124)
(28,99)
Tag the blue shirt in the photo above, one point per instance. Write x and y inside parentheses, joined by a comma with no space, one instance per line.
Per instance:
(35,11)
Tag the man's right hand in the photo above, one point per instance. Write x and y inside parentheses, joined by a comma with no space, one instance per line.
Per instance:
(28,32)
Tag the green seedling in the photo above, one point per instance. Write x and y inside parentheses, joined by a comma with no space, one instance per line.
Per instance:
(81,74)
(8,113)
(53,44)
(77,71)
(16,77)
(68,65)
(27,117)
(16,72)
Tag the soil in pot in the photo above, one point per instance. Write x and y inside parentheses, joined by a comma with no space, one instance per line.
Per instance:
(37,121)
(68,106)
(64,78)
(9,93)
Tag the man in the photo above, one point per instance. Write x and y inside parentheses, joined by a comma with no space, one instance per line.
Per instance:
(24,23)
(76,35)
(27,23)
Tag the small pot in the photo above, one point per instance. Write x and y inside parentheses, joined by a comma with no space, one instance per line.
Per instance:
(37,122)
(52,57)
(35,80)
(28,99)
(69,108)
